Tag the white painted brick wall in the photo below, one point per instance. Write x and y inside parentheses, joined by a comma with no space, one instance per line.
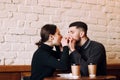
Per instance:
(21,22)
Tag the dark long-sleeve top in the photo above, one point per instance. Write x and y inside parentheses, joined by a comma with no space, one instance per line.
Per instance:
(45,61)
(90,52)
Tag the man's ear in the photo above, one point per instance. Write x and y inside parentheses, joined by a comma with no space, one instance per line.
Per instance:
(82,33)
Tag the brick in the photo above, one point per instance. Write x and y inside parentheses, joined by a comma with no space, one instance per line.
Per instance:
(1,39)
(16,31)
(3,30)
(27,24)
(69,19)
(117,4)
(1,59)
(45,3)
(37,24)
(43,18)
(10,23)
(116,48)
(111,17)
(110,3)
(81,1)
(9,61)
(108,48)
(5,1)
(76,13)
(2,6)
(96,8)
(25,39)
(31,2)
(11,7)
(25,9)
(3,14)
(86,7)
(118,17)
(98,28)
(102,22)
(111,42)
(118,41)
(66,4)
(35,39)
(91,21)
(18,61)
(31,17)
(98,14)
(113,35)
(111,56)
(30,47)
(92,1)
(12,38)
(108,9)
(54,3)
(28,61)
(49,11)
(101,2)
(113,61)
(100,34)
(37,9)
(101,40)
(16,1)
(30,31)
(10,55)
(19,16)
(56,19)
(20,23)
(116,10)
(59,11)
(23,55)
(5,47)
(76,5)
(17,47)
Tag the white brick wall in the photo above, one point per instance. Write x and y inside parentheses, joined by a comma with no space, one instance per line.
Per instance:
(21,21)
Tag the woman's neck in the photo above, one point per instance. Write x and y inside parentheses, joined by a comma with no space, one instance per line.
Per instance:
(48,43)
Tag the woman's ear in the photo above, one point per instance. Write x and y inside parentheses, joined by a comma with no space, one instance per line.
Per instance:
(51,37)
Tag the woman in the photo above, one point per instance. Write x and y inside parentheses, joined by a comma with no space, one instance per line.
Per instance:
(45,59)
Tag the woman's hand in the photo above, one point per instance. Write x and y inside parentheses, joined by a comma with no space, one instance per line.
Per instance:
(64,41)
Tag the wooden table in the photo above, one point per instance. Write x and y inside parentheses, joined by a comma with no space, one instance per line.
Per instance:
(83,78)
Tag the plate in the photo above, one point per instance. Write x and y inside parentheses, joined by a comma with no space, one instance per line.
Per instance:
(68,76)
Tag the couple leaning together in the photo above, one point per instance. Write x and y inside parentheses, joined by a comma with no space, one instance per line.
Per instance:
(76,48)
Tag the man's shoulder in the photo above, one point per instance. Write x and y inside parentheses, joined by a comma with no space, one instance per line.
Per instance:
(96,43)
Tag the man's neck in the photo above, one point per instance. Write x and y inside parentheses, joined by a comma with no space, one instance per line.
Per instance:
(83,40)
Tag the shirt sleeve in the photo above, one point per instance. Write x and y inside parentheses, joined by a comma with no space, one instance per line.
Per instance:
(96,55)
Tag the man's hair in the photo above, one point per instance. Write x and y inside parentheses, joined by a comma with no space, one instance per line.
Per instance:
(79,24)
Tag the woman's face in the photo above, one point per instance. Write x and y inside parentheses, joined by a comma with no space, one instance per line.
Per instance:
(57,38)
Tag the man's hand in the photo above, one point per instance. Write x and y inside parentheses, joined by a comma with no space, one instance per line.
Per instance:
(64,41)
(72,43)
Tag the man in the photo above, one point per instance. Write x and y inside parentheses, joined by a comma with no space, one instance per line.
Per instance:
(85,51)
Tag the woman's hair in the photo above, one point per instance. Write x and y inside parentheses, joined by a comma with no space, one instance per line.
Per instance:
(46,30)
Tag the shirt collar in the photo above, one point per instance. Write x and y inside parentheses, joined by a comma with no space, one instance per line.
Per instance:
(86,44)
(46,47)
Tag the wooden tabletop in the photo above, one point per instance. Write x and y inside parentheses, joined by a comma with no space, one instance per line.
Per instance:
(108,77)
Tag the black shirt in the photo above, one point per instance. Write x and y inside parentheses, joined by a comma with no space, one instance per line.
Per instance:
(45,61)
(90,52)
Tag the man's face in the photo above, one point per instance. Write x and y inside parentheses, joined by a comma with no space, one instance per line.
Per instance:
(74,33)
